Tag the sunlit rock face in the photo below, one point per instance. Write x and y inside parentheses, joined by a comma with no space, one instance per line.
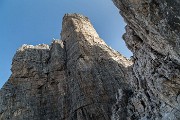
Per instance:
(75,78)
(153,35)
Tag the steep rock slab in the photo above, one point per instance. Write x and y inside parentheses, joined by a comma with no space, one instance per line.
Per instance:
(74,78)
(153,35)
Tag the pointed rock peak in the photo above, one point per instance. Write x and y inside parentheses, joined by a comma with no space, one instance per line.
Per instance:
(76,23)
(80,38)
(76,16)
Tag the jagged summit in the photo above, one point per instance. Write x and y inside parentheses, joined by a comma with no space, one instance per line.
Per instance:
(73,78)
(40,46)
(75,15)
(78,25)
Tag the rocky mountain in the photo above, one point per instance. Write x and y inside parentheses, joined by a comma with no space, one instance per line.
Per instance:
(75,78)
(80,78)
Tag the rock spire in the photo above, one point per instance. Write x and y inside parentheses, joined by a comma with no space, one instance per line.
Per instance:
(75,78)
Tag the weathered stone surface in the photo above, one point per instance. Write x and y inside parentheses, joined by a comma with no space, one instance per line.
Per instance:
(156,22)
(75,78)
(81,78)
(153,35)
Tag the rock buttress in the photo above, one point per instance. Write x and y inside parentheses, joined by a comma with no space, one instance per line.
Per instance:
(75,78)
(153,35)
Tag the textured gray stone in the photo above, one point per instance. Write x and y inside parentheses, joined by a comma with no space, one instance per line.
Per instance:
(153,35)
(81,78)
(75,78)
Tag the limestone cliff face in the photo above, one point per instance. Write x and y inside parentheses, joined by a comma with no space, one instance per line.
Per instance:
(75,78)
(81,78)
(153,35)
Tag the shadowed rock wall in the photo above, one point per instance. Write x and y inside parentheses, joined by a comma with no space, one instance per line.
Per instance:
(153,35)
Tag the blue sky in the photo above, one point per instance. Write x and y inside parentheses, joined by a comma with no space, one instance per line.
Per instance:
(38,21)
